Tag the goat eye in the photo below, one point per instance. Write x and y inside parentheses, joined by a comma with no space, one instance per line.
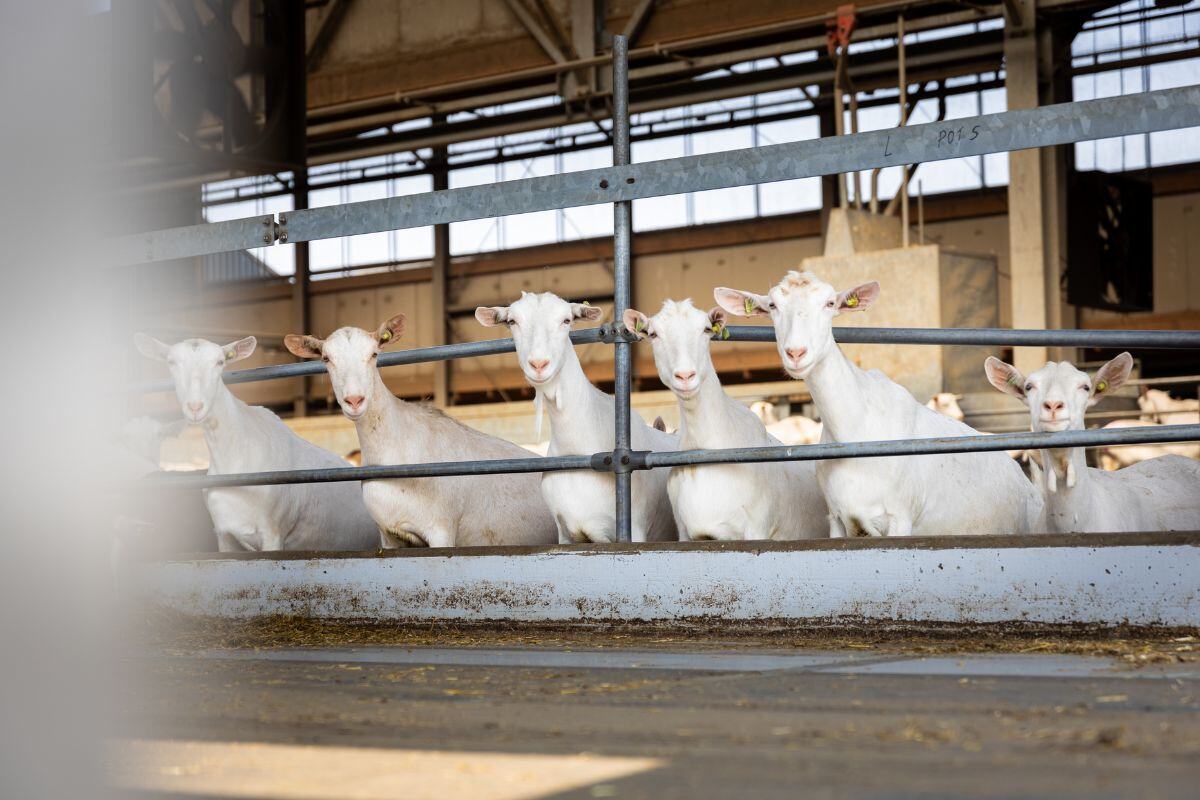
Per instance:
(1085,388)
(566,322)
(651,334)
(830,304)
(1029,387)
(325,359)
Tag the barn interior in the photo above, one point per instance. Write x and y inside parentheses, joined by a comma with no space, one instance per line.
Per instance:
(1023,663)
(264,107)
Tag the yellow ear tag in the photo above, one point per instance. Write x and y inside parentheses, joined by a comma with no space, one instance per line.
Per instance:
(229,354)
(385,336)
(638,325)
(724,333)
(852,301)
(1102,386)
(586,303)
(750,305)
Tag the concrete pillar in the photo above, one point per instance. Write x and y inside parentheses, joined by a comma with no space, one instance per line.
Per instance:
(1037,181)
(1026,210)
(1054,48)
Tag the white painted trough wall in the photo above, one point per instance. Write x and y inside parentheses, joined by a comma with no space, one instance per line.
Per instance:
(1141,579)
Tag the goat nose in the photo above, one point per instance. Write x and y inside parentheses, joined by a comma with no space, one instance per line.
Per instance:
(355,401)
(684,377)
(195,408)
(1053,405)
(796,353)
(539,364)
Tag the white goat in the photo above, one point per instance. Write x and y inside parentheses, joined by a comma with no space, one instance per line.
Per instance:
(946,404)
(243,438)
(777,500)
(145,521)
(932,494)
(141,441)
(582,421)
(1116,457)
(1158,406)
(795,429)
(1162,494)
(418,512)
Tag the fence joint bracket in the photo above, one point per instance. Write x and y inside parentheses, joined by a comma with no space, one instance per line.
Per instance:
(613,332)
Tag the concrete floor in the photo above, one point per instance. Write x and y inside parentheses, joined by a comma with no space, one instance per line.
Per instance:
(655,722)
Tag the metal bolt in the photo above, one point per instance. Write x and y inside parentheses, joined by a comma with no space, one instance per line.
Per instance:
(283,237)
(267,221)
(629,180)
(608,460)
(283,219)
(603,184)
(267,238)
(625,460)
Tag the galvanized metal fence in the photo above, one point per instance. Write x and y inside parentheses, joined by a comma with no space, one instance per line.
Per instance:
(624,182)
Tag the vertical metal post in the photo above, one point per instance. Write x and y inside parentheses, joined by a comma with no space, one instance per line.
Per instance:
(622,229)
(901,53)
(920,214)
(300,286)
(839,121)
(297,94)
(438,283)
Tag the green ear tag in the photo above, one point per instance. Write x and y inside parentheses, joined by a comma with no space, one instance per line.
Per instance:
(750,306)
(586,303)
(230,354)
(638,325)
(852,301)
(385,336)
(1101,386)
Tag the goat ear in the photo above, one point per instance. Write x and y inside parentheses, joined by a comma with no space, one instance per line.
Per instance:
(742,304)
(391,330)
(150,347)
(585,311)
(860,298)
(303,346)
(716,323)
(242,348)
(1005,377)
(1110,377)
(636,322)
(491,316)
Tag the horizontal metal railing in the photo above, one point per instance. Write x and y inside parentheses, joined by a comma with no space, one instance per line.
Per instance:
(640,459)
(1065,123)
(621,184)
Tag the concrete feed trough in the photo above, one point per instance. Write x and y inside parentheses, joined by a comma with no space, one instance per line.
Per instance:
(1104,579)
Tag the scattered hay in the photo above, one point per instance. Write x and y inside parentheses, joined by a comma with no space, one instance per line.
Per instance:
(1135,646)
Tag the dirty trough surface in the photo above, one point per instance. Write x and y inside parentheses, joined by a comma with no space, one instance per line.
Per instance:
(289,707)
